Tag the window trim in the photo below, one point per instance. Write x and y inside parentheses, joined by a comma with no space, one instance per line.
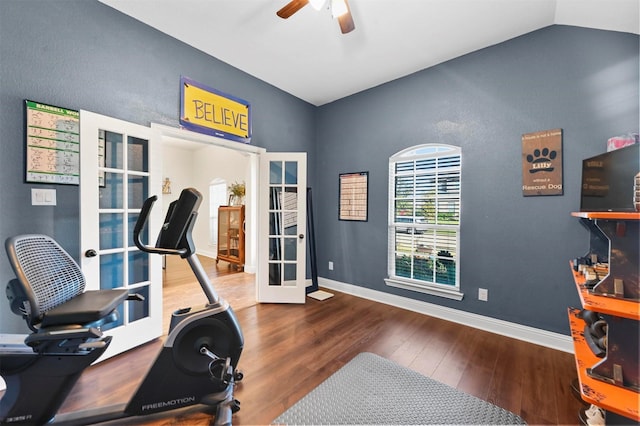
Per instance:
(443,290)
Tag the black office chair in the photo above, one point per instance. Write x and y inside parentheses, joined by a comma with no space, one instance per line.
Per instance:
(49,293)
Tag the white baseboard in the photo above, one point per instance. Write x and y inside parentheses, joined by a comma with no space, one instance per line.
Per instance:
(536,336)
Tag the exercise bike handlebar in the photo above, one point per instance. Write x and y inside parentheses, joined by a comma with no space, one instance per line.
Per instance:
(140,224)
(175,236)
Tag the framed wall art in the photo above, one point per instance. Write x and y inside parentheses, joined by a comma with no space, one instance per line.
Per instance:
(542,163)
(353,199)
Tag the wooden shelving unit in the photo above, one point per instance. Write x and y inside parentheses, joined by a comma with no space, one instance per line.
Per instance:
(611,382)
(231,235)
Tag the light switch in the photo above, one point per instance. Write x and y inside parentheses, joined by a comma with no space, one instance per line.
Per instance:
(43,197)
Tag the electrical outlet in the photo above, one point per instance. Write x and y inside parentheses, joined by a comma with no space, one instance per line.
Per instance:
(483,294)
(330,265)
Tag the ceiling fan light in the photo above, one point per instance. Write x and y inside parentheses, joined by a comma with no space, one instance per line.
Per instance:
(338,8)
(317,4)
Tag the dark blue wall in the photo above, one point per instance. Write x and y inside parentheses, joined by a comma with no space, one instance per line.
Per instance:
(581,80)
(81,54)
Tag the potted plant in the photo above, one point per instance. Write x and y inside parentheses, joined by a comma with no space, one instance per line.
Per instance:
(237,192)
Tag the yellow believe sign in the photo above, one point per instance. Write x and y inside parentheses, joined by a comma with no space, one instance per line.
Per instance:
(210,111)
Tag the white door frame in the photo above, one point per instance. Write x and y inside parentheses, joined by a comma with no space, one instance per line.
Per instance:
(161,133)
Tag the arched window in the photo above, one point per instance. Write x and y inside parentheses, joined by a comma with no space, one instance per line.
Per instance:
(217,198)
(424,220)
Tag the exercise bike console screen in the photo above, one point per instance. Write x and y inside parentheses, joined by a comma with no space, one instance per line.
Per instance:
(179,220)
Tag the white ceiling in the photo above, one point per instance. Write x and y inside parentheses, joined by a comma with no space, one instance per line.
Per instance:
(308,57)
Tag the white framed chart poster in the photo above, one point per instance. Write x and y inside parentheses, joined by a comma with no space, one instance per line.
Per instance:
(52,144)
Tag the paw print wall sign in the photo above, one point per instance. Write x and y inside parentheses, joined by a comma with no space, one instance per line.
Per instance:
(542,163)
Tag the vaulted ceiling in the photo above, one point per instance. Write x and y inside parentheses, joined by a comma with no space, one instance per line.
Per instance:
(308,57)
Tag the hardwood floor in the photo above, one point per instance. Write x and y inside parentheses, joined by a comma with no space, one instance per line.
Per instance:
(290,349)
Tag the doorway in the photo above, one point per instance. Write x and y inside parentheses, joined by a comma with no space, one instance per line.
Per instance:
(193,160)
(265,173)
(206,158)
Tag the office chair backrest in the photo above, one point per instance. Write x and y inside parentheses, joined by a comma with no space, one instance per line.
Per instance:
(46,276)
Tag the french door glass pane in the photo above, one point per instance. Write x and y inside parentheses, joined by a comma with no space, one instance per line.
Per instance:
(138,191)
(111,233)
(111,194)
(137,154)
(291,172)
(275,172)
(290,248)
(274,274)
(290,274)
(144,235)
(275,198)
(139,309)
(275,224)
(113,150)
(111,270)
(138,266)
(275,249)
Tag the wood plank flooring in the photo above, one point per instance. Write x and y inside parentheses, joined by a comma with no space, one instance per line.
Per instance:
(290,349)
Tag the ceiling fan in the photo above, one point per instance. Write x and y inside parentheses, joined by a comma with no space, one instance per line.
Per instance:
(339,9)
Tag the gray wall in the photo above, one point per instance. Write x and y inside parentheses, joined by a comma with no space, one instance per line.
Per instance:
(581,80)
(81,54)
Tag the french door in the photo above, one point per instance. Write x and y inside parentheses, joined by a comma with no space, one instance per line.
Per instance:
(282,239)
(118,172)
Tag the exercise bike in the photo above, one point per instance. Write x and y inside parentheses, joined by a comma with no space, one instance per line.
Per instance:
(196,365)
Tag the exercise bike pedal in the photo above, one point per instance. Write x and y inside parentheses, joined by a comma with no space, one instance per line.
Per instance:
(221,371)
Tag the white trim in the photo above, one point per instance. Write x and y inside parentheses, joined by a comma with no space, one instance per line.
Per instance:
(425,288)
(536,336)
(176,132)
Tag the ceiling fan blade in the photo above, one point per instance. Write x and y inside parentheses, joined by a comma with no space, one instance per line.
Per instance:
(292,7)
(346,21)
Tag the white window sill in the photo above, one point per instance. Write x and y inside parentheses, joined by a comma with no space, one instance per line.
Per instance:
(425,288)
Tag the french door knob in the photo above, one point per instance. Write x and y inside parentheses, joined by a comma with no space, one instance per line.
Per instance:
(301,236)
(90,253)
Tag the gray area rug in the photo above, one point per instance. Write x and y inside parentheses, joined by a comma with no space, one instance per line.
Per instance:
(371,390)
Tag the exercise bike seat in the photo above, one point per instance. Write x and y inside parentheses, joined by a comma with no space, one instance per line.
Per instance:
(49,290)
(86,307)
